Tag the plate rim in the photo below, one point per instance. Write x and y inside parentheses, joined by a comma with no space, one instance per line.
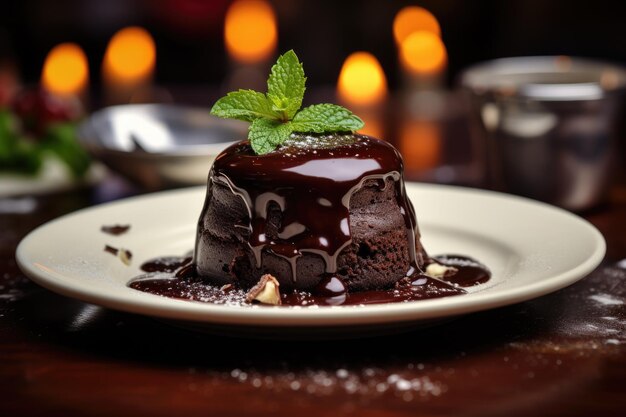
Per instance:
(167,308)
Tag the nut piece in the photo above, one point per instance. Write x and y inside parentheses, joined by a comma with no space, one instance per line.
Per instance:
(436,270)
(123,254)
(265,291)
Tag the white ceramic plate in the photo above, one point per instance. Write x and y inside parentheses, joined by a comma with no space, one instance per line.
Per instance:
(54,177)
(531,248)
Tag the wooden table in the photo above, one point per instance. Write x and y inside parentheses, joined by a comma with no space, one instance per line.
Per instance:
(560,355)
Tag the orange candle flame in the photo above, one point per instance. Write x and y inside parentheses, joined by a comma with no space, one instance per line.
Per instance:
(423,53)
(130,57)
(250,30)
(65,70)
(362,80)
(414,19)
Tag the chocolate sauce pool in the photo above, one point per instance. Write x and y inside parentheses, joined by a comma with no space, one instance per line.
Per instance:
(311,180)
(174,277)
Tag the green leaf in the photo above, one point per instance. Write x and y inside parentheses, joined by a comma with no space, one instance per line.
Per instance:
(61,140)
(17,154)
(275,115)
(265,135)
(8,124)
(321,118)
(246,105)
(27,158)
(286,85)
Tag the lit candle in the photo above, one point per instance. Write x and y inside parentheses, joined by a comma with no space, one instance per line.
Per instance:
(413,19)
(66,72)
(128,66)
(362,86)
(250,36)
(422,53)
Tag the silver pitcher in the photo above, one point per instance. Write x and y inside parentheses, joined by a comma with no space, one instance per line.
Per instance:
(547,125)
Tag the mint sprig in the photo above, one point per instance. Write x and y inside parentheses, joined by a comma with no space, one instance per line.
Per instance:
(276,115)
(286,85)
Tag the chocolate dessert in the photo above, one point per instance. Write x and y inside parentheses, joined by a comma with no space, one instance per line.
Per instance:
(319,210)
(305,212)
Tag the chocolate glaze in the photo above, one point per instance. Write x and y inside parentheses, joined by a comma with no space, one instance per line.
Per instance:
(317,177)
(182,283)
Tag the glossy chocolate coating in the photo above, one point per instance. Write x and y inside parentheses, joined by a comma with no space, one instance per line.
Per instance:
(309,181)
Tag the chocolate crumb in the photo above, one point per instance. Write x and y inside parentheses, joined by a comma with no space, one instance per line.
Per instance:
(111,250)
(115,230)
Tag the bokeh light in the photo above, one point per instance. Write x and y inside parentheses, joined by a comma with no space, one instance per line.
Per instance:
(413,19)
(423,53)
(420,145)
(65,70)
(250,30)
(362,80)
(130,55)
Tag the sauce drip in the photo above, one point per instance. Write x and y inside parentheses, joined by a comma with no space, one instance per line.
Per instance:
(311,179)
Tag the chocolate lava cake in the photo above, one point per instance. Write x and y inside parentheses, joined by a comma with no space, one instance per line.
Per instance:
(316,209)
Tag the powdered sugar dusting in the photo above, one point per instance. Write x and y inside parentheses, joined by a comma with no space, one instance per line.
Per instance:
(368,382)
(590,314)
(606,299)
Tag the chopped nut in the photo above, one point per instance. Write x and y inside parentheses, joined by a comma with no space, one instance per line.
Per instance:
(226,288)
(265,291)
(436,270)
(125,256)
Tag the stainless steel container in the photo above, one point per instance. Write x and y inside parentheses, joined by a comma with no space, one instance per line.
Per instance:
(159,145)
(547,125)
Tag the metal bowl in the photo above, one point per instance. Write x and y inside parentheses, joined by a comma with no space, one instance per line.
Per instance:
(548,125)
(156,145)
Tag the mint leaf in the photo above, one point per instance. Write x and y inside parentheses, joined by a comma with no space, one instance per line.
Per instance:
(321,118)
(246,105)
(286,85)
(265,135)
(275,115)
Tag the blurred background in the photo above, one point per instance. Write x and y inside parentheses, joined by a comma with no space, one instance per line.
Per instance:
(396,63)
(189,34)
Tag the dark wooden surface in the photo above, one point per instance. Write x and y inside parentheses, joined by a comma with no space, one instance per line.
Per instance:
(560,355)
